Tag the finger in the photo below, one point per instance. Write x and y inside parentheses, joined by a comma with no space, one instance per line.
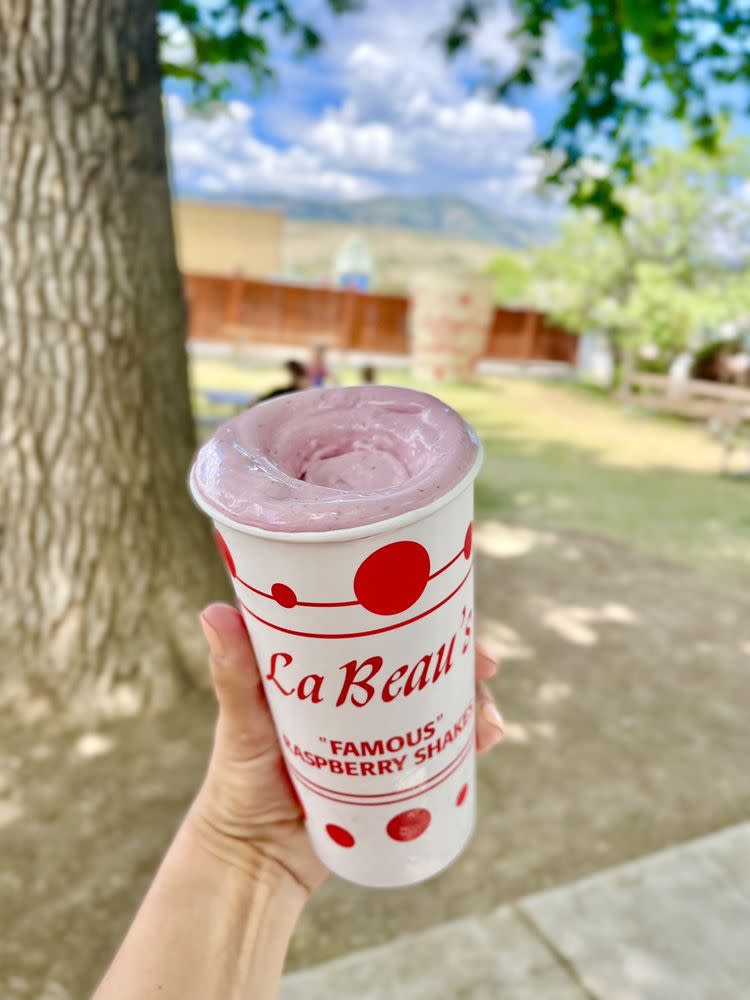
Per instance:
(490,726)
(245,725)
(486,665)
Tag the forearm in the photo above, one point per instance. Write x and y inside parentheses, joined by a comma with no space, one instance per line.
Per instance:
(210,928)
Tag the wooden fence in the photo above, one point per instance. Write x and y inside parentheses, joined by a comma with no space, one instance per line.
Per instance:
(246,312)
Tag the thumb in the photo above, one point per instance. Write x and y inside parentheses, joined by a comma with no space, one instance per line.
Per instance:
(245,728)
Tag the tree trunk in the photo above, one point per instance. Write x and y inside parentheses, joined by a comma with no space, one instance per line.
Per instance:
(104,562)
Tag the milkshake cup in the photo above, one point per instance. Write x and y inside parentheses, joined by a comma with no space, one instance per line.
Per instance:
(358,597)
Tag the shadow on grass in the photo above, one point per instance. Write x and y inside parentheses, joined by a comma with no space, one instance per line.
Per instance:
(689,517)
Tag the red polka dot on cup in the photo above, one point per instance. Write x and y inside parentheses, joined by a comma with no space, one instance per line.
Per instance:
(284,595)
(392,578)
(409,825)
(226,555)
(339,835)
(467,543)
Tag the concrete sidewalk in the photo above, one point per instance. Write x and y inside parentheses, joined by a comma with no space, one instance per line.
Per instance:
(671,926)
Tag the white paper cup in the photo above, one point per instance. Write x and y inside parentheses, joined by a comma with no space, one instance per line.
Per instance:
(364,637)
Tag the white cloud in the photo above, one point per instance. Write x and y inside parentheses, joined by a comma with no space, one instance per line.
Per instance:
(219,154)
(395,119)
(371,146)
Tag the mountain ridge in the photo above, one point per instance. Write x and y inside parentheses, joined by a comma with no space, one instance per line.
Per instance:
(448,215)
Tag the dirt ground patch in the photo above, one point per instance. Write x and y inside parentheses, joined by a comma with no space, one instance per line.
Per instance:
(625,688)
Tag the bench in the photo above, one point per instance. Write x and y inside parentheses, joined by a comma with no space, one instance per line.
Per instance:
(229,402)
(724,408)
(234,400)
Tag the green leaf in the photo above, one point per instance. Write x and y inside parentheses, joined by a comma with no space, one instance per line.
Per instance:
(222,36)
(310,39)
(188,13)
(181,72)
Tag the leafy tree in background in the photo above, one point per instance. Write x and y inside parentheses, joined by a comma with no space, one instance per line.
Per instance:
(222,34)
(512,275)
(641,60)
(104,562)
(674,273)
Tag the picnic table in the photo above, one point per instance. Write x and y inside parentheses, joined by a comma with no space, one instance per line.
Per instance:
(229,402)
(234,399)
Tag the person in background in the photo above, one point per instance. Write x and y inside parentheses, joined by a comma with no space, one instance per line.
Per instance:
(318,371)
(368,375)
(298,379)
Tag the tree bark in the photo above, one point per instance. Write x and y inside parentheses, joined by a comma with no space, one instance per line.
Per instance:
(104,562)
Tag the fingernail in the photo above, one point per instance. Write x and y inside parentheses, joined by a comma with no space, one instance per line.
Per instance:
(486,654)
(492,715)
(213,639)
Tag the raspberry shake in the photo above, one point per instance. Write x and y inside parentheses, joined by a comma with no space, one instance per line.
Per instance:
(344,518)
(336,458)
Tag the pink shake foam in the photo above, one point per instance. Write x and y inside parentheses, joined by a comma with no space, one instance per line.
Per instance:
(334,458)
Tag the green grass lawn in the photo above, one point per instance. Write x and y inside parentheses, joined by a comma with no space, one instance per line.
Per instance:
(562,459)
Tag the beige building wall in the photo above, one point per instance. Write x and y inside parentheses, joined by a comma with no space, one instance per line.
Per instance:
(224,239)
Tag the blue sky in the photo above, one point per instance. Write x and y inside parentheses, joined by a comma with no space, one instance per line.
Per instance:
(377,111)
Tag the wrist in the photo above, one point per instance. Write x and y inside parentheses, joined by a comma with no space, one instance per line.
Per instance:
(216,921)
(252,901)
(252,861)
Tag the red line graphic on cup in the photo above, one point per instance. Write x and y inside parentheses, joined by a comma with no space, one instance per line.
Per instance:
(339,796)
(359,635)
(389,580)
(386,796)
